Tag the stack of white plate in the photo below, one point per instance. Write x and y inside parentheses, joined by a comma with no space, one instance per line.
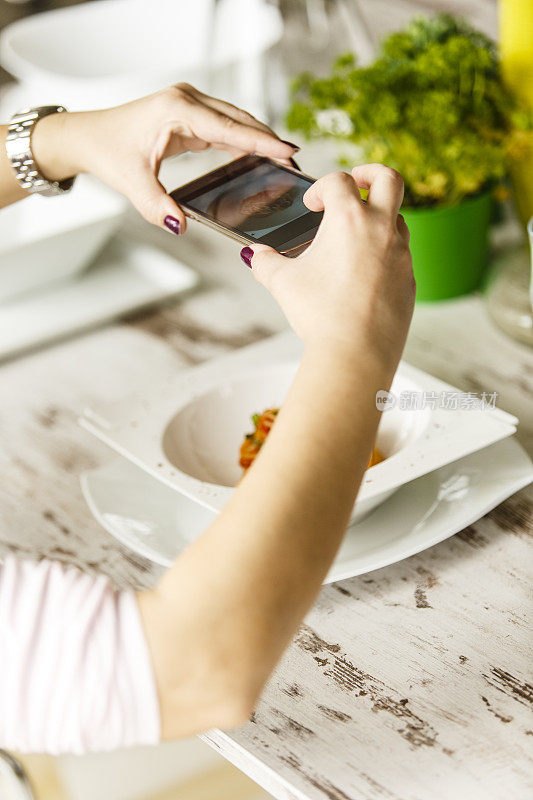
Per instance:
(59,275)
(95,55)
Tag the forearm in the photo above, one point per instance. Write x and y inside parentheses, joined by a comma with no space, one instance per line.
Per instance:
(238,594)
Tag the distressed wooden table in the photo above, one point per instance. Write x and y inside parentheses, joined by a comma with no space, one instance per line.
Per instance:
(409,683)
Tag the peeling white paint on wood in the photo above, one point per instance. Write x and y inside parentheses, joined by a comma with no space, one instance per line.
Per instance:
(410,683)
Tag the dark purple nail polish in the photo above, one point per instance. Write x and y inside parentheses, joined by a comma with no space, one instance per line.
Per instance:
(247,254)
(294,146)
(294,164)
(173,224)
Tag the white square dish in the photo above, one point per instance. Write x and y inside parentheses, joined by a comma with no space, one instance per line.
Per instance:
(46,240)
(125,277)
(187,431)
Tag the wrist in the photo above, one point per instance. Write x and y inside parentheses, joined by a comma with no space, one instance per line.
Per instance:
(56,147)
(353,357)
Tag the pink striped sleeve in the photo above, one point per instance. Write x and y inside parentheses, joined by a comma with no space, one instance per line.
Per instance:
(75,670)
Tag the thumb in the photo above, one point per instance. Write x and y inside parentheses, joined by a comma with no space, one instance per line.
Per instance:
(150,199)
(263,261)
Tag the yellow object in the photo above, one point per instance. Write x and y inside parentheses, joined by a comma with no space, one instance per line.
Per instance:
(516,50)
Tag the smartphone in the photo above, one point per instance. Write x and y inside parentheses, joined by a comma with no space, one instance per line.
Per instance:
(254,200)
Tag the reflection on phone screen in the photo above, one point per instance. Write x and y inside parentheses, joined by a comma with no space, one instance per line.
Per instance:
(256,202)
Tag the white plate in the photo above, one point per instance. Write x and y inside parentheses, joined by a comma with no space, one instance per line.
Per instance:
(157,522)
(203,438)
(186,431)
(123,279)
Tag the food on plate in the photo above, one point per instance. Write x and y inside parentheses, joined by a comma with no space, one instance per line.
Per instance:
(254,441)
(376,457)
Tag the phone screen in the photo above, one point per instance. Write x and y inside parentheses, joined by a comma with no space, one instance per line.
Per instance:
(258,198)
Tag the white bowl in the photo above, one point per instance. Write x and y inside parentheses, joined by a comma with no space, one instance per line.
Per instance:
(203,438)
(186,431)
(111,51)
(44,240)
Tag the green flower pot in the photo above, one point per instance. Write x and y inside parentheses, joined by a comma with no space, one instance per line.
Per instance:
(449,247)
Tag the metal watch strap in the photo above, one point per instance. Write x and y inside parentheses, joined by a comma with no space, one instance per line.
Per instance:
(19,153)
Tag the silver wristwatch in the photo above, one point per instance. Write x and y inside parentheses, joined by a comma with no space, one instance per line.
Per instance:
(18,147)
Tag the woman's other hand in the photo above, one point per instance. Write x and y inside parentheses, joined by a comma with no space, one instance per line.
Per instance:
(356,278)
(124,146)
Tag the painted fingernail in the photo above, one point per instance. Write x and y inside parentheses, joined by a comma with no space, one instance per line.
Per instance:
(173,224)
(247,254)
(294,164)
(294,146)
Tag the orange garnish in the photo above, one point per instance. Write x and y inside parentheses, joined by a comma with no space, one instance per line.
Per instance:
(254,441)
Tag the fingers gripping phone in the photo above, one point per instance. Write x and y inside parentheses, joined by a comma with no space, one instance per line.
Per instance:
(254,200)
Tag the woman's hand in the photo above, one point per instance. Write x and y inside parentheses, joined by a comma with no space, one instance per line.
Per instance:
(124,146)
(356,279)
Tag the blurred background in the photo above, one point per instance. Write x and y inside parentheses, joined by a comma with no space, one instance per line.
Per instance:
(296,35)
(96,54)
(428,98)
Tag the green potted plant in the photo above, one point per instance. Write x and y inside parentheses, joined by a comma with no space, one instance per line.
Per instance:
(434,107)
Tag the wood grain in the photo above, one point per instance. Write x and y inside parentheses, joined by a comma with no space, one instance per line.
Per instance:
(409,683)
